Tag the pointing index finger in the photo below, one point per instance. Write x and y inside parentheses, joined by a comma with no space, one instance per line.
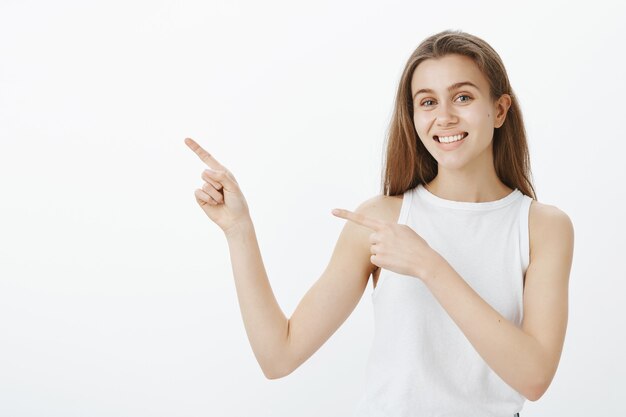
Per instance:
(202,154)
(358,218)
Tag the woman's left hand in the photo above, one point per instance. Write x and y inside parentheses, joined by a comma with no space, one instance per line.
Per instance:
(396,247)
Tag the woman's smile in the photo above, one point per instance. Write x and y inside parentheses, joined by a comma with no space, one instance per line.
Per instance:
(449,146)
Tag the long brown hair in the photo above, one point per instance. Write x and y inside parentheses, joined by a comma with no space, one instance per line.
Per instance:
(408,162)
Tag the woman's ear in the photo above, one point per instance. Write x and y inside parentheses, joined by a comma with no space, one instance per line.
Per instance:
(502,107)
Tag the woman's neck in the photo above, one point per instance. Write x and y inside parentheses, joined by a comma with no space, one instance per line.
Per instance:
(468,190)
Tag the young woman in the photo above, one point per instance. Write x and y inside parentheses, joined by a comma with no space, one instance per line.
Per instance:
(470,272)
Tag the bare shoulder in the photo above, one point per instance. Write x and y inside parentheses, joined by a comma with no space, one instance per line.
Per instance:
(385,208)
(549,224)
(382,207)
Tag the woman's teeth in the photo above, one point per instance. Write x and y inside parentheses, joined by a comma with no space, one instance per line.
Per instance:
(450,139)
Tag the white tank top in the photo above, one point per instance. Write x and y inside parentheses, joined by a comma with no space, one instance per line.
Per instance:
(420,362)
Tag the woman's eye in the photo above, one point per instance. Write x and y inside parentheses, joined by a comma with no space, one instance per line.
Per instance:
(424,103)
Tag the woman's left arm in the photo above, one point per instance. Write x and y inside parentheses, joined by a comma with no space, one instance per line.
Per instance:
(525,358)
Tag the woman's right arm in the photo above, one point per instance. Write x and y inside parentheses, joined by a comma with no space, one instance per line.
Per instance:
(280,345)
(266,325)
(333,297)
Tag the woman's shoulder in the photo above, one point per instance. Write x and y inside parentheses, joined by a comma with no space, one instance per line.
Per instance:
(382,207)
(543,214)
(545,221)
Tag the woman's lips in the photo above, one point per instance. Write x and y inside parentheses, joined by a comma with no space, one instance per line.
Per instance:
(436,137)
(452,145)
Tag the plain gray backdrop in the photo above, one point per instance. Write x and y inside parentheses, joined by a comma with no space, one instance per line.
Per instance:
(116,290)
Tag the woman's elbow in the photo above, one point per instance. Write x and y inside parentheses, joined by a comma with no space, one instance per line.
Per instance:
(276,372)
(537,391)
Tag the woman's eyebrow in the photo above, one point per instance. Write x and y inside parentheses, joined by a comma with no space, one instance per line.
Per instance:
(452,87)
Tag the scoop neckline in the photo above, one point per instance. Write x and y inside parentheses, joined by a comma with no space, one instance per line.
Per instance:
(466,205)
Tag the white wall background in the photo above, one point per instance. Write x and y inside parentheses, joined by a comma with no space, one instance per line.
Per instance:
(116,290)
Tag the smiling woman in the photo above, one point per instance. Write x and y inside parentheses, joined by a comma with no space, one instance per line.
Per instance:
(463,114)
(470,271)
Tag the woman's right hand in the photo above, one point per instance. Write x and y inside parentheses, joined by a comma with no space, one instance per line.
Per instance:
(220,196)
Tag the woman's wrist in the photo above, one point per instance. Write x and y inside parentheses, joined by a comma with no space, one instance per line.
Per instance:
(435,267)
(239,229)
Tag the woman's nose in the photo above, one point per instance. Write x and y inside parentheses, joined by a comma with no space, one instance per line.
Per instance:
(445,114)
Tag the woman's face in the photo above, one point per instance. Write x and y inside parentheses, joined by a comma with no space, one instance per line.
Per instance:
(448,108)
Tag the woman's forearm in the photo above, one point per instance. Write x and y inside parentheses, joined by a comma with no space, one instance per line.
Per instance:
(265,323)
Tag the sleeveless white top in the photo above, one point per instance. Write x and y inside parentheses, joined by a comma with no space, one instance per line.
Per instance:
(420,362)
